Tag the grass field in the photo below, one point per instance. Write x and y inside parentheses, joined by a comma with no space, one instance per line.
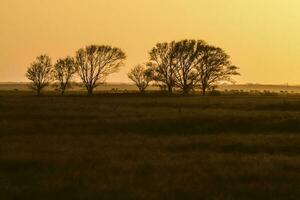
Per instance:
(152,146)
(124,87)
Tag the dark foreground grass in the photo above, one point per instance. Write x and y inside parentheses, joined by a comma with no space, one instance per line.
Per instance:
(149,147)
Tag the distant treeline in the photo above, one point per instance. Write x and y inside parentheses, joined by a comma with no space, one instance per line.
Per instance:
(184,65)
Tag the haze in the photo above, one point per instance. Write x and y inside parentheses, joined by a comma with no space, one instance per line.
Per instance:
(262,37)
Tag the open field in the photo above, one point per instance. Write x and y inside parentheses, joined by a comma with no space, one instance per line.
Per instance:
(152,146)
(125,87)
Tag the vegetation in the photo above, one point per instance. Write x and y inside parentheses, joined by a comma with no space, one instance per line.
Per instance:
(40,73)
(184,65)
(187,56)
(149,146)
(229,145)
(141,77)
(213,67)
(190,63)
(162,65)
(95,63)
(64,70)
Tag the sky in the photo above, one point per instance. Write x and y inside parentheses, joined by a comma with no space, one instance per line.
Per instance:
(261,36)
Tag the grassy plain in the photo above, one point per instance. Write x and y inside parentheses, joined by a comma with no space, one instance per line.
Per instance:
(152,146)
(124,87)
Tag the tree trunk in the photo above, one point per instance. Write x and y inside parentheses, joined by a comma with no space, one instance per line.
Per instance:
(142,91)
(170,89)
(63,89)
(203,91)
(90,91)
(38,91)
(186,89)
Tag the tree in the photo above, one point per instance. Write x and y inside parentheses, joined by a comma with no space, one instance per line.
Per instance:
(162,65)
(40,73)
(64,69)
(141,77)
(214,66)
(187,54)
(95,63)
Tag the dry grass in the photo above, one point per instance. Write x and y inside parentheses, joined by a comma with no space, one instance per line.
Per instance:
(149,147)
(143,167)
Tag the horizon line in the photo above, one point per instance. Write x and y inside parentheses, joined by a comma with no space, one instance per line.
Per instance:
(130,83)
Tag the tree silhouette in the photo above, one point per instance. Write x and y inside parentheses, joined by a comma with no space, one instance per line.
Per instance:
(214,66)
(187,54)
(95,63)
(190,63)
(64,69)
(141,77)
(40,73)
(162,65)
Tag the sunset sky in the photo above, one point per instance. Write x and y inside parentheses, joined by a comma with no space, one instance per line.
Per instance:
(262,36)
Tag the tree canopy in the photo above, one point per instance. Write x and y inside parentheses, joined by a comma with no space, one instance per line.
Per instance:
(95,63)
(39,73)
(64,69)
(190,64)
(141,77)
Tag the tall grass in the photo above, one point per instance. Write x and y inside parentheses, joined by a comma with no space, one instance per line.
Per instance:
(153,146)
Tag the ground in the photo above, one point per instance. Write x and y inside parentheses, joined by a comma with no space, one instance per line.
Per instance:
(151,146)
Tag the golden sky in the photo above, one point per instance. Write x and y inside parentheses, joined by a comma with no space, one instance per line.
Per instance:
(262,36)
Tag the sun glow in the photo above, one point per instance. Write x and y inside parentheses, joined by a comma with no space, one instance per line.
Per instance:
(262,37)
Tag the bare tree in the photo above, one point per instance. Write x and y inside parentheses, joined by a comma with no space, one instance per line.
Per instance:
(64,69)
(40,73)
(162,65)
(187,54)
(214,66)
(95,63)
(141,77)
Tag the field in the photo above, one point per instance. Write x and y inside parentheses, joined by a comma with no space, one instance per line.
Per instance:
(125,87)
(151,146)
